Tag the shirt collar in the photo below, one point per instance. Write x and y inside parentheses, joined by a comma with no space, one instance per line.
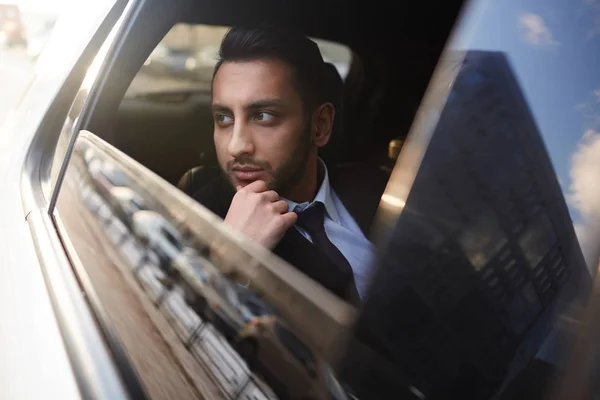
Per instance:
(324,195)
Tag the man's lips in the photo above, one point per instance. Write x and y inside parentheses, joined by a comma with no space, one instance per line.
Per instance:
(247,173)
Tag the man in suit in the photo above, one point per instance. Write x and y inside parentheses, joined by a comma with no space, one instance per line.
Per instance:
(273,111)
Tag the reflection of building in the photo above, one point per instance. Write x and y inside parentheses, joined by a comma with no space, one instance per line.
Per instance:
(483,250)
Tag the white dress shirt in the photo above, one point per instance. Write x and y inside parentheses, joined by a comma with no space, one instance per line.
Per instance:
(342,231)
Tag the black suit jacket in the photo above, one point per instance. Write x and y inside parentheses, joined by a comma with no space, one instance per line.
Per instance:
(358,187)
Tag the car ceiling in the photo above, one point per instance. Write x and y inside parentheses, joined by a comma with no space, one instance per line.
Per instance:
(357,24)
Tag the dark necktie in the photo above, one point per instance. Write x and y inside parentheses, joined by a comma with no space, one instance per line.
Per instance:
(312,220)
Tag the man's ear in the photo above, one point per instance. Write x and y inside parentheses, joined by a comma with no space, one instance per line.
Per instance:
(322,124)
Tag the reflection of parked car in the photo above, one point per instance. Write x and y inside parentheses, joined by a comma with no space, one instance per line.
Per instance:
(125,203)
(105,176)
(160,236)
(290,367)
(202,268)
(250,305)
(89,155)
(222,307)
(227,305)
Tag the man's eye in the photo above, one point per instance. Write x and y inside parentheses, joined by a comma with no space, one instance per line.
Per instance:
(263,116)
(223,119)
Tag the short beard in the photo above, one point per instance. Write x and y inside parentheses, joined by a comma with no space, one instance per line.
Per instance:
(287,176)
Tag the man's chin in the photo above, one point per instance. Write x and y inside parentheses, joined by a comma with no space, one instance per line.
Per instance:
(243,183)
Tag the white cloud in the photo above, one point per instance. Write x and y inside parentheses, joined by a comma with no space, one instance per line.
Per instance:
(590,111)
(592,8)
(585,174)
(584,194)
(535,31)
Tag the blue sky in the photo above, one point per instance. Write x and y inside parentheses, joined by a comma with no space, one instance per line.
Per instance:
(554,49)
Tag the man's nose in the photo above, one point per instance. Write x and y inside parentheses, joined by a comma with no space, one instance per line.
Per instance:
(241,141)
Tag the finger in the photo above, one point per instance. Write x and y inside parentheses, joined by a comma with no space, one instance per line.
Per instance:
(256,187)
(289,219)
(281,206)
(270,195)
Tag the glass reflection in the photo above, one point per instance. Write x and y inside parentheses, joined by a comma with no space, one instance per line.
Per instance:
(474,308)
(244,347)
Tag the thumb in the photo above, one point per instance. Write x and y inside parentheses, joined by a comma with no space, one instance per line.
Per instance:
(289,218)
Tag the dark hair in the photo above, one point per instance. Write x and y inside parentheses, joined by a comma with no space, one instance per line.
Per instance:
(300,53)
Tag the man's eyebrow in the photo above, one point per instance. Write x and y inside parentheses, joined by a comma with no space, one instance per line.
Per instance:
(220,107)
(255,105)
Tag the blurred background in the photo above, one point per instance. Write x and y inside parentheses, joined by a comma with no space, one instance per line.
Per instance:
(25,26)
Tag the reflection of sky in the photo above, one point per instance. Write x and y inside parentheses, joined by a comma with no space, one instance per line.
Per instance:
(555,56)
